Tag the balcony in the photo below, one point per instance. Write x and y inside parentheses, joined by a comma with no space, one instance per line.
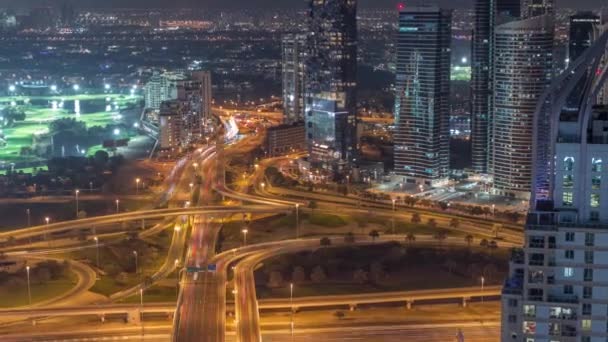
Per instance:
(513,286)
(572,299)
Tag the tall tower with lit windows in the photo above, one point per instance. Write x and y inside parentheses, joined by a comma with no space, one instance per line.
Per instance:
(557,288)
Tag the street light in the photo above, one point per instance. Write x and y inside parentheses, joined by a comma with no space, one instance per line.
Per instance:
(76,192)
(96,250)
(191,185)
(245,231)
(291,306)
(297,220)
(483,280)
(394,200)
(47,220)
(137,180)
(90,186)
(117,202)
(29,220)
(136,263)
(29,290)
(141,312)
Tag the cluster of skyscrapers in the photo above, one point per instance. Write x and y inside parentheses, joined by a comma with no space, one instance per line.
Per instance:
(177,107)
(320,80)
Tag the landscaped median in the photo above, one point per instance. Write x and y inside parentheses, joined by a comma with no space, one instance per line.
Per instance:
(382,267)
(48,280)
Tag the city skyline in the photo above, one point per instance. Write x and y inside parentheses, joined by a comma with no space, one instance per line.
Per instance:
(283,4)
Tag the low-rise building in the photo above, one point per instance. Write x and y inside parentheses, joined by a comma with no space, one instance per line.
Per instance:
(285,139)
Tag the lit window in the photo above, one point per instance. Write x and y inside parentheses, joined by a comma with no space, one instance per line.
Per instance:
(596,182)
(529,327)
(568,272)
(586,324)
(555,311)
(568,181)
(569,163)
(596,165)
(567,199)
(595,200)
(530,310)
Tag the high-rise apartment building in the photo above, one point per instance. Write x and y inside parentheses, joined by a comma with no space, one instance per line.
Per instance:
(557,288)
(331,71)
(162,87)
(523,68)
(294,58)
(488,14)
(196,91)
(422,95)
(535,8)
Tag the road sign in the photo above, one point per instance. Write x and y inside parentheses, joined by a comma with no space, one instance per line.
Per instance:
(192,269)
(212,267)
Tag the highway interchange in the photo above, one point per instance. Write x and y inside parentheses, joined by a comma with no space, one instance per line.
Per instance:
(202,307)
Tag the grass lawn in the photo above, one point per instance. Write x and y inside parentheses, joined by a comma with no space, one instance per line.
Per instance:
(39,115)
(326,220)
(155,294)
(108,285)
(386,267)
(15,297)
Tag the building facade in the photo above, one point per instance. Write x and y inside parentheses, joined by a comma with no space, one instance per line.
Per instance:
(330,94)
(584,29)
(523,67)
(285,139)
(196,92)
(557,288)
(171,125)
(488,14)
(294,56)
(535,8)
(162,87)
(422,83)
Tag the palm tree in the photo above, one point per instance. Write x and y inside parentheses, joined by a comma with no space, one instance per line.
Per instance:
(454,223)
(349,237)
(469,240)
(432,223)
(440,237)
(416,218)
(374,234)
(410,237)
(313,205)
(325,241)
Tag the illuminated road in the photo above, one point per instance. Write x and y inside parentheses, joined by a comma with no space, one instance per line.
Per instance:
(473,331)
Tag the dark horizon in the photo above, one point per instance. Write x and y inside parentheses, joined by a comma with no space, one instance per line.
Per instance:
(260,4)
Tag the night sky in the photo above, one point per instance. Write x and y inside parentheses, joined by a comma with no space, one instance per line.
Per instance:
(589,4)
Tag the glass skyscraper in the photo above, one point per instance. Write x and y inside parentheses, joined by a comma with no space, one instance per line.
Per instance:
(422,95)
(523,67)
(331,72)
(294,57)
(488,14)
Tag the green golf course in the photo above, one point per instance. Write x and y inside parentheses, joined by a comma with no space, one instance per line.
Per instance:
(40,111)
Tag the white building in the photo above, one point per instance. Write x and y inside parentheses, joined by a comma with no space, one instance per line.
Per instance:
(161,87)
(557,290)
